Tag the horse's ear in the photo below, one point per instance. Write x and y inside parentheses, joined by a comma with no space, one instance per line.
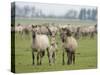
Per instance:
(32,26)
(36,26)
(19,24)
(69,33)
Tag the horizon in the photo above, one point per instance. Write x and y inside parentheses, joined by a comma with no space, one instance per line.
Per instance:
(54,9)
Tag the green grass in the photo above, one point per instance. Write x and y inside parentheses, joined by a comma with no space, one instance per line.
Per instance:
(25,21)
(86,56)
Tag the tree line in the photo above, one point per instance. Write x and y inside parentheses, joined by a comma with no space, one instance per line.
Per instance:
(33,12)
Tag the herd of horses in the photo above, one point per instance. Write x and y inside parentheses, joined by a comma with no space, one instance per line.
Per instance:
(44,40)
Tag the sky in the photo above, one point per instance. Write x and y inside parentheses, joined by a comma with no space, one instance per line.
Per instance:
(56,9)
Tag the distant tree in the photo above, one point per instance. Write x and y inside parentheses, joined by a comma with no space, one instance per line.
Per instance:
(36,14)
(71,14)
(82,14)
(89,14)
(19,11)
(94,14)
(42,14)
(26,10)
(33,10)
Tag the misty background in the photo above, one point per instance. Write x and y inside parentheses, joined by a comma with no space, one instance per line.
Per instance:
(55,11)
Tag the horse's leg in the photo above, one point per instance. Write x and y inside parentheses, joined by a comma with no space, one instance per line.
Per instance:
(63,58)
(69,57)
(73,55)
(51,57)
(22,34)
(40,58)
(54,57)
(48,55)
(37,58)
(42,53)
(33,56)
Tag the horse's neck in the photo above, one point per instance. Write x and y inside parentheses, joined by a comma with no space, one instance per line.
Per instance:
(33,39)
(67,38)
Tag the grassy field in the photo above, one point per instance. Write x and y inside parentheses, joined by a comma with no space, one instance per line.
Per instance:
(86,57)
(56,21)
